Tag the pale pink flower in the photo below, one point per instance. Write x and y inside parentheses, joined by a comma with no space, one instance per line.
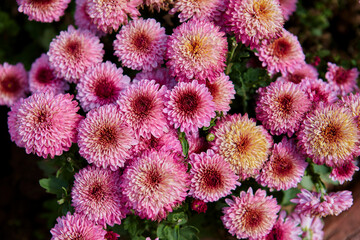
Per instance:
(344,172)
(312,227)
(288,7)
(43,10)
(13,123)
(344,81)
(82,18)
(301,73)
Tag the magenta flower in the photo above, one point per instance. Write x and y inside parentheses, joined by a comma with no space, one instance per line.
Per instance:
(196,50)
(96,194)
(344,81)
(101,85)
(154,184)
(76,227)
(160,75)
(104,137)
(198,206)
(344,172)
(73,52)
(189,106)
(288,7)
(14,123)
(299,74)
(14,83)
(43,10)
(250,215)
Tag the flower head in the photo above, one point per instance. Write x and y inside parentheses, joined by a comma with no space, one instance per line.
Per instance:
(344,172)
(344,81)
(43,10)
(13,123)
(199,206)
(301,73)
(288,7)
(312,227)
(160,75)
(82,18)
(141,44)
(352,102)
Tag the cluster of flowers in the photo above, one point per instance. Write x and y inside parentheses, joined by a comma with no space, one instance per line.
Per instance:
(129,135)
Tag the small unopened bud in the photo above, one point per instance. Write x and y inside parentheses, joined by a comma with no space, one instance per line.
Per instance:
(210,137)
(199,206)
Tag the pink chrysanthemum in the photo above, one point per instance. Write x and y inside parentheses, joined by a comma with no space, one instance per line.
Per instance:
(284,229)
(197,144)
(155,183)
(189,106)
(110,235)
(110,15)
(100,85)
(329,135)
(13,83)
(43,10)
(299,74)
(242,143)
(285,168)
(250,215)
(13,123)
(82,18)
(222,90)
(196,50)
(73,52)
(288,7)
(160,75)
(311,226)
(255,22)
(104,137)
(141,44)
(96,194)
(281,107)
(198,206)
(211,177)
(344,81)
(283,54)
(203,10)
(143,104)
(76,227)
(42,77)
(314,204)
(47,123)
(352,102)
(344,172)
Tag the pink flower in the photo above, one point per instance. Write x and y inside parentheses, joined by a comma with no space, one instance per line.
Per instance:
(198,206)
(344,172)
(104,137)
(196,50)
(73,52)
(311,226)
(352,102)
(344,81)
(100,85)
(110,235)
(197,143)
(288,7)
(82,18)
(14,122)
(13,83)
(141,44)
(250,215)
(189,106)
(160,75)
(301,73)
(43,11)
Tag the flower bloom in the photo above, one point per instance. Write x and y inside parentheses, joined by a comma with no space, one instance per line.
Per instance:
(96,194)
(344,81)
(155,183)
(288,7)
(104,137)
(13,83)
(250,215)
(344,172)
(211,177)
(196,50)
(160,75)
(301,73)
(242,143)
(76,226)
(82,18)
(352,102)
(73,52)
(281,107)
(312,227)
(141,44)
(189,106)
(45,123)
(43,11)
(254,22)
(199,206)
(101,85)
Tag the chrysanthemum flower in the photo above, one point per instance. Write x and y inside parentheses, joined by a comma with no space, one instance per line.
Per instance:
(352,102)
(344,81)
(141,44)
(47,123)
(13,83)
(250,215)
(196,50)
(155,183)
(255,22)
(285,168)
(211,177)
(104,137)
(299,74)
(110,235)
(76,227)
(313,204)
(100,85)
(197,143)
(222,90)
(13,123)
(283,54)
(142,105)
(288,7)
(96,194)
(281,107)
(329,135)
(110,15)
(73,52)
(160,75)
(42,77)
(43,10)
(189,106)
(344,172)
(82,18)
(202,10)
(312,227)
(242,143)
(198,206)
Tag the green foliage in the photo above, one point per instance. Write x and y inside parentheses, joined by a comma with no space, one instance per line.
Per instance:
(184,143)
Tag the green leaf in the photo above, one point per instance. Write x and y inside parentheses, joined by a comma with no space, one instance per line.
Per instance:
(189,233)
(177,218)
(184,144)
(134,226)
(288,195)
(307,183)
(53,185)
